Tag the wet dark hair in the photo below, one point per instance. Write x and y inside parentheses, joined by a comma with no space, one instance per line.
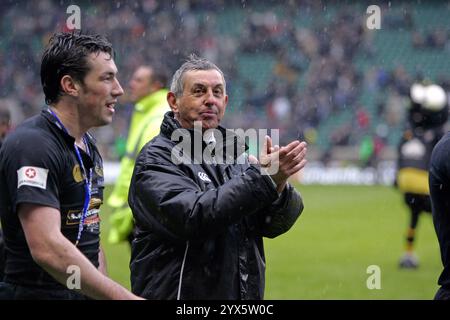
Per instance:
(66,54)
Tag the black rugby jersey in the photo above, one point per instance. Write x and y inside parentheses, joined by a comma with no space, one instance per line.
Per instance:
(38,165)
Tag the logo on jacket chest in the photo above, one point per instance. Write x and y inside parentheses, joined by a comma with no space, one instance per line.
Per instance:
(204,177)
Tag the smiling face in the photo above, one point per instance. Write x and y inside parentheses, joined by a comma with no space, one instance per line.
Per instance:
(204,99)
(99,92)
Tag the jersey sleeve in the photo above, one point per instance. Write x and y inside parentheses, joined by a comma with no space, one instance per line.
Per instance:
(32,169)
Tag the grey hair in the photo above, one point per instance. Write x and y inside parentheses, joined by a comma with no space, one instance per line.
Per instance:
(193,63)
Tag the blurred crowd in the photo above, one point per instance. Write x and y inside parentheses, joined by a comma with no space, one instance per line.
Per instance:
(313,77)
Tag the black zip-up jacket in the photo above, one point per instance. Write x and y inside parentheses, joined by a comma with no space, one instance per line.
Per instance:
(199,227)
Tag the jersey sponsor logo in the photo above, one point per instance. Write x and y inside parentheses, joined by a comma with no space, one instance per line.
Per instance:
(77,174)
(204,177)
(92,216)
(32,176)
(74,216)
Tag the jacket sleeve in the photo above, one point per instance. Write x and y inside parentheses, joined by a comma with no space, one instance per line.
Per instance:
(281,215)
(167,200)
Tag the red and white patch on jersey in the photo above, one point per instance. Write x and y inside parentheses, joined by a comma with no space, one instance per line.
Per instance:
(32,176)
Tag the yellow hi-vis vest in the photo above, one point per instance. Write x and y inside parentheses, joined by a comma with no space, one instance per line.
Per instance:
(145,124)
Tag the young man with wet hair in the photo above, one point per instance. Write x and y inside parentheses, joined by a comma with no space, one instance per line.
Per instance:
(51,178)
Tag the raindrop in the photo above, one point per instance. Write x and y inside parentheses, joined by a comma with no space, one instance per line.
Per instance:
(118,5)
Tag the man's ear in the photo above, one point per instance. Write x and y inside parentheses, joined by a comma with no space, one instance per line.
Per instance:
(172,100)
(70,86)
(226,101)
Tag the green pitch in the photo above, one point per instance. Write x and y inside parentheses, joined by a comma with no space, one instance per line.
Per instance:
(342,231)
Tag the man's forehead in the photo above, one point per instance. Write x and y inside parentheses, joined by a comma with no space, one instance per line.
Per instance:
(102,62)
(143,72)
(205,77)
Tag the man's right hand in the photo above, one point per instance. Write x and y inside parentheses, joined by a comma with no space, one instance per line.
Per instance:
(281,163)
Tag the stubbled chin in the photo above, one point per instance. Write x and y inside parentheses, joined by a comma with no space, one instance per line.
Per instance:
(107,119)
(209,120)
(210,124)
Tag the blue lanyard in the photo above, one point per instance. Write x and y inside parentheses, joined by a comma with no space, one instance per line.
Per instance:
(87,178)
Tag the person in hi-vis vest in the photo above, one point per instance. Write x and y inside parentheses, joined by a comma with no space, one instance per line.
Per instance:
(147,89)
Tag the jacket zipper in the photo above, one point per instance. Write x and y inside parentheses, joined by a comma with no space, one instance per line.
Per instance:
(181,271)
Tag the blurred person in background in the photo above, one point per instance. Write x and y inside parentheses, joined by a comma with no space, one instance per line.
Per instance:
(427,115)
(5,125)
(147,90)
(5,122)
